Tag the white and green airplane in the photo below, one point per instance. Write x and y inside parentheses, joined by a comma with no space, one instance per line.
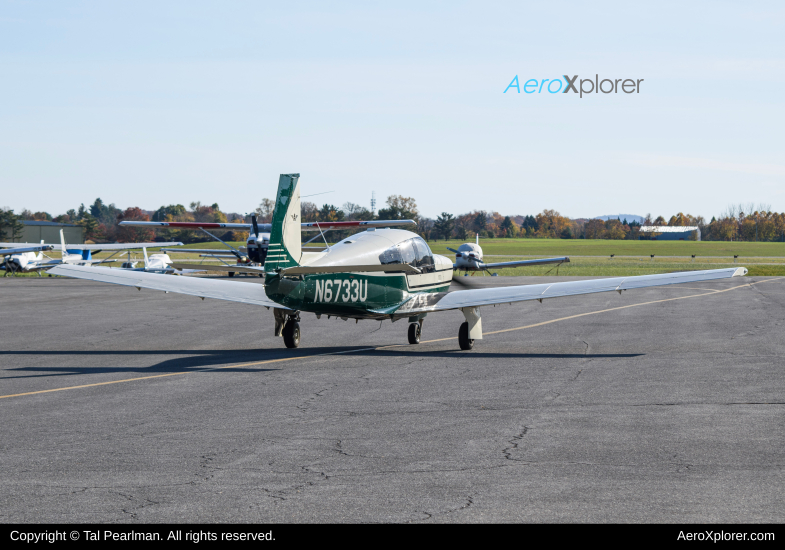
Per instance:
(380,274)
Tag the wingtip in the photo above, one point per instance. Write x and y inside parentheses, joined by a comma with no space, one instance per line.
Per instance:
(740,272)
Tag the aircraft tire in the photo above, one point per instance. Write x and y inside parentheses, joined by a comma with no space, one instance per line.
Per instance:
(291,334)
(414,333)
(464,341)
(231,273)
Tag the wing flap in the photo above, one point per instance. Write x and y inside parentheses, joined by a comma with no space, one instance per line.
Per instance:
(502,295)
(245,293)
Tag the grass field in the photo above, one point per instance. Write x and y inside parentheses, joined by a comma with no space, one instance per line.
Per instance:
(590,247)
(587,257)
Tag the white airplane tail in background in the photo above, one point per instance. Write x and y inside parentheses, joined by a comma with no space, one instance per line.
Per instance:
(62,244)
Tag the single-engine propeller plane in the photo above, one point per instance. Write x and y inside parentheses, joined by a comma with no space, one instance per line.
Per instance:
(17,258)
(377,274)
(468,258)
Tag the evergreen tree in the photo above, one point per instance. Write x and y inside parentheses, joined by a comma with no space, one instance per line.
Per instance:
(444,225)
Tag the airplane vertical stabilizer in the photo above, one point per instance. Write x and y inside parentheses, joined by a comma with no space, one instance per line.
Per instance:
(63,252)
(285,242)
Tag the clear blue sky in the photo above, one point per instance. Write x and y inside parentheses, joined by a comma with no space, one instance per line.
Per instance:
(152,103)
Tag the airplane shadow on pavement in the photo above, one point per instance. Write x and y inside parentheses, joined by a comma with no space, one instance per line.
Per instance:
(205,359)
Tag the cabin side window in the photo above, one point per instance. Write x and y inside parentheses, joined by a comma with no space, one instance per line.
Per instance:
(390,256)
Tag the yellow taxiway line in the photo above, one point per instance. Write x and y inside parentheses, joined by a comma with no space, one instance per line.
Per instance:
(269,361)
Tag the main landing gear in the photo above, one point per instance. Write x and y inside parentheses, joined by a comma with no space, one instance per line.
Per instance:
(291,333)
(287,324)
(464,341)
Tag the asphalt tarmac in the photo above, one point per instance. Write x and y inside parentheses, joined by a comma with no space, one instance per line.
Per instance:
(659,405)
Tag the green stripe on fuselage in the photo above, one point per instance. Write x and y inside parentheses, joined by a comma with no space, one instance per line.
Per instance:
(344,294)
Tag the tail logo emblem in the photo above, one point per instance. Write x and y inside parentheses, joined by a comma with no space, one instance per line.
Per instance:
(294,217)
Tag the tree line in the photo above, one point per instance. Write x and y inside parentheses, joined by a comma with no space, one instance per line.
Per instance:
(100,222)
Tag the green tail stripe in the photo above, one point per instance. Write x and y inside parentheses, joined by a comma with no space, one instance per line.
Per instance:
(286,217)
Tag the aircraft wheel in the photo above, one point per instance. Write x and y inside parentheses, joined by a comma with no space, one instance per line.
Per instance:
(464,341)
(291,334)
(414,333)
(231,273)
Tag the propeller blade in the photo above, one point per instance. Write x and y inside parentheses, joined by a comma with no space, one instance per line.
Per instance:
(255,225)
(463,281)
(453,250)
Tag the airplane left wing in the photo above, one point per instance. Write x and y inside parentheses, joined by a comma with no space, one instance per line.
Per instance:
(244,293)
(442,301)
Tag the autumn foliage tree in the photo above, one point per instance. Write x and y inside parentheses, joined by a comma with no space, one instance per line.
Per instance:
(130,234)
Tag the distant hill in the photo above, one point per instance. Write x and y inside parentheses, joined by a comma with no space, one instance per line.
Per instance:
(629,217)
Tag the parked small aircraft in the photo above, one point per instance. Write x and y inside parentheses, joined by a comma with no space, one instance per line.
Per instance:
(16,259)
(72,254)
(377,274)
(468,257)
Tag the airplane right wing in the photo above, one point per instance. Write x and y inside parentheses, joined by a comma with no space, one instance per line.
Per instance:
(245,293)
(459,299)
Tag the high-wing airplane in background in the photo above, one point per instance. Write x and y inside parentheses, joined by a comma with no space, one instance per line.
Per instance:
(258,242)
(377,274)
(72,254)
(16,259)
(468,257)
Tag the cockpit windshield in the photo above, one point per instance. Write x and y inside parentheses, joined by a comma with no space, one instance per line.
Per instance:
(414,252)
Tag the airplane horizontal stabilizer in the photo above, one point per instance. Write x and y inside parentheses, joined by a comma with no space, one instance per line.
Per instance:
(210,267)
(200,250)
(442,301)
(194,286)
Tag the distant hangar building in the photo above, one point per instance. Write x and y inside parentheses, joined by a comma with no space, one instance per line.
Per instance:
(670,233)
(49,232)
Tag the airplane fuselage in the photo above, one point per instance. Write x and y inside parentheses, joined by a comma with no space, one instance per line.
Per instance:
(364,295)
(469,257)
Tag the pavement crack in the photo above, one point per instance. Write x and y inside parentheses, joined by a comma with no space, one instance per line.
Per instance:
(514,442)
(303,407)
(429,515)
